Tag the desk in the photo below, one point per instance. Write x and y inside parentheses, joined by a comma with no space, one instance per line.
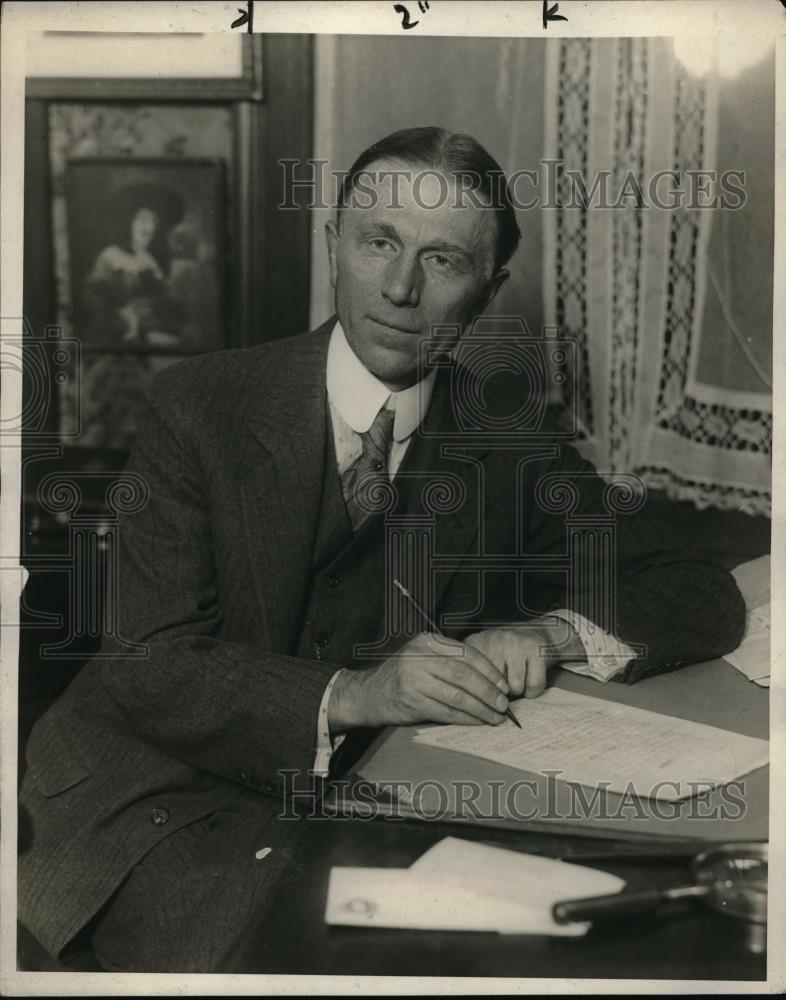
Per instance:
(685,942)
(713,693)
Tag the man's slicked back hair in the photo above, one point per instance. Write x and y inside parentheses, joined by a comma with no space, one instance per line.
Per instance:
(451,153)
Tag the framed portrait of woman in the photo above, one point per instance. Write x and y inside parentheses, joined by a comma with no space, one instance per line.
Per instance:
(147,274)
(145,241)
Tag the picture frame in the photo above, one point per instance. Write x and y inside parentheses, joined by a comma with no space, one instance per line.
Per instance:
(246,85)
(146,246)
(148,282)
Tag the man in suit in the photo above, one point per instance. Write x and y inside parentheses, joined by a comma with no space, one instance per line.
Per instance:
(256,571)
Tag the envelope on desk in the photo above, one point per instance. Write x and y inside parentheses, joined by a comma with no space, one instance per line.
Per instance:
(460,885)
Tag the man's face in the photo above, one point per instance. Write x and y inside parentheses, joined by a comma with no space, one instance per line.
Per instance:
(399,271)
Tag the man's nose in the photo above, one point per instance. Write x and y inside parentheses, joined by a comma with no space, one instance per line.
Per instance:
(401,284)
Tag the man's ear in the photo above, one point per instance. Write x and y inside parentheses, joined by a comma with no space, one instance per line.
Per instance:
(332,236)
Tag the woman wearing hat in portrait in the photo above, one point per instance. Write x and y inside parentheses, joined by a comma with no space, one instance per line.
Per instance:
(127,302)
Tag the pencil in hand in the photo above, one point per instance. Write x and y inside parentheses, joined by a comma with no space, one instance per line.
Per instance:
(437,631)
(508,710)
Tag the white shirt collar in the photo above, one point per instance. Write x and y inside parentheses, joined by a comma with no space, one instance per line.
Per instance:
(358,395)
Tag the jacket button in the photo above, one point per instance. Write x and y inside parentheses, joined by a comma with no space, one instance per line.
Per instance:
(159,816)
(242,776)
(333,581)
(270,786)
(319,644)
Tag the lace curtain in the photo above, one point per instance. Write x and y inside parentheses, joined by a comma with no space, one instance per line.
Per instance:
(672,310)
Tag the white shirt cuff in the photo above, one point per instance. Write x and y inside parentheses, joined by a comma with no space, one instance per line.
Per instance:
(325,746)
(607,655)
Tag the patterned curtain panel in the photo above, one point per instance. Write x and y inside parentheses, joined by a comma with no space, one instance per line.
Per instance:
(671,306)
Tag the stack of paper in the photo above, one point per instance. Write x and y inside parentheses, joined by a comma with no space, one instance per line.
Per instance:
(460,885)
(603,744)
(752,656)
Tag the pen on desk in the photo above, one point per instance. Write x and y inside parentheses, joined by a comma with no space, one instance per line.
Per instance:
(437,631)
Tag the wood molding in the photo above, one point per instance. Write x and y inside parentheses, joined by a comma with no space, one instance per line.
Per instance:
(246,87)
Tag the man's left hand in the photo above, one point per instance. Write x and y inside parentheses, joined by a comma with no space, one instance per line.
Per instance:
(521,649)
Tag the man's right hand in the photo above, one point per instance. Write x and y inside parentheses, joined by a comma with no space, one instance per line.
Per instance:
(431,679)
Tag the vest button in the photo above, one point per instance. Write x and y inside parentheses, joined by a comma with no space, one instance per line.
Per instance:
(379,466)
(159,816)
(333,581)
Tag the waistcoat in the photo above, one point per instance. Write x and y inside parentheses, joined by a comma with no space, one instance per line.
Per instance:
(346,605)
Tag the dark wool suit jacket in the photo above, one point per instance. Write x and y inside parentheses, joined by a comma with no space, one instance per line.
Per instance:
(214,574)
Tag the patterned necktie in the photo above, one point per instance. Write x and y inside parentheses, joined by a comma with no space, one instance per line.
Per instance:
(370,468)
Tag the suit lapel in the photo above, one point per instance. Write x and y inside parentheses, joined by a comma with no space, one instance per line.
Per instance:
(442,475)
(282,484)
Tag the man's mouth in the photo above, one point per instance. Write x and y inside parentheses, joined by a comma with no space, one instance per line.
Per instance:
(393,326)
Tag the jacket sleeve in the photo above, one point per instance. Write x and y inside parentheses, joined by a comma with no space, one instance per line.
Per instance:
(228,707)
(673,603)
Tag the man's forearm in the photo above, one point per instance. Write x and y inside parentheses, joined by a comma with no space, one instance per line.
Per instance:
(224,707)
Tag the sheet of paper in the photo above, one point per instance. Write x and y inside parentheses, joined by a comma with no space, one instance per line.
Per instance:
(752,656)
(522,879)
(417,900)
(598,743)
(753,579)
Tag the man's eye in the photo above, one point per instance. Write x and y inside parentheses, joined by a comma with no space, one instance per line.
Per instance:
(441,261)
(378,243)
